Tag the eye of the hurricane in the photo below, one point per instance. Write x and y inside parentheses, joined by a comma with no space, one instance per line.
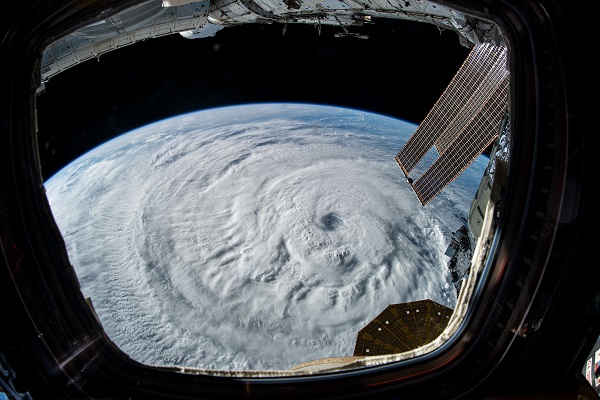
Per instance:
(330,221)
(276,235)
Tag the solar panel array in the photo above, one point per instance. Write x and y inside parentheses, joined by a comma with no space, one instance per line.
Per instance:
(462,123)
(402,327)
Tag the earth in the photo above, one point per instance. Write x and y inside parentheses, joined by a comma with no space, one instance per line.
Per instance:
(253,237)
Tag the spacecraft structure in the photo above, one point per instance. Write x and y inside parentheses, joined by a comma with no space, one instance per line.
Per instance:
(193,20)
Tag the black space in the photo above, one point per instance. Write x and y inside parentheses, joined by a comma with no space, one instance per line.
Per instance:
(400,71)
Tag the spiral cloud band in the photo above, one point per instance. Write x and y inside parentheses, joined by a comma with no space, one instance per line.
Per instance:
(253,237)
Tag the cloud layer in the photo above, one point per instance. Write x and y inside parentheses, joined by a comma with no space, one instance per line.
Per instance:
(253,237)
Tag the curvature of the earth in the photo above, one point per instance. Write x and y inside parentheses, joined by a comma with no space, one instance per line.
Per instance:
(253,237)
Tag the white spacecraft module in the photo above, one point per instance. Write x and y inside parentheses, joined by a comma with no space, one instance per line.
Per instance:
(205,18)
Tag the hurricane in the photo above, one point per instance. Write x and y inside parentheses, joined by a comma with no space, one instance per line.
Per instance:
(253,237)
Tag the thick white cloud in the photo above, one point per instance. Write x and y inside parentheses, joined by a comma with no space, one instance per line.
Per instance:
(253,237)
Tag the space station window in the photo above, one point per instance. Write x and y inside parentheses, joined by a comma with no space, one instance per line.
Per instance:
(260,236)
(197,224)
